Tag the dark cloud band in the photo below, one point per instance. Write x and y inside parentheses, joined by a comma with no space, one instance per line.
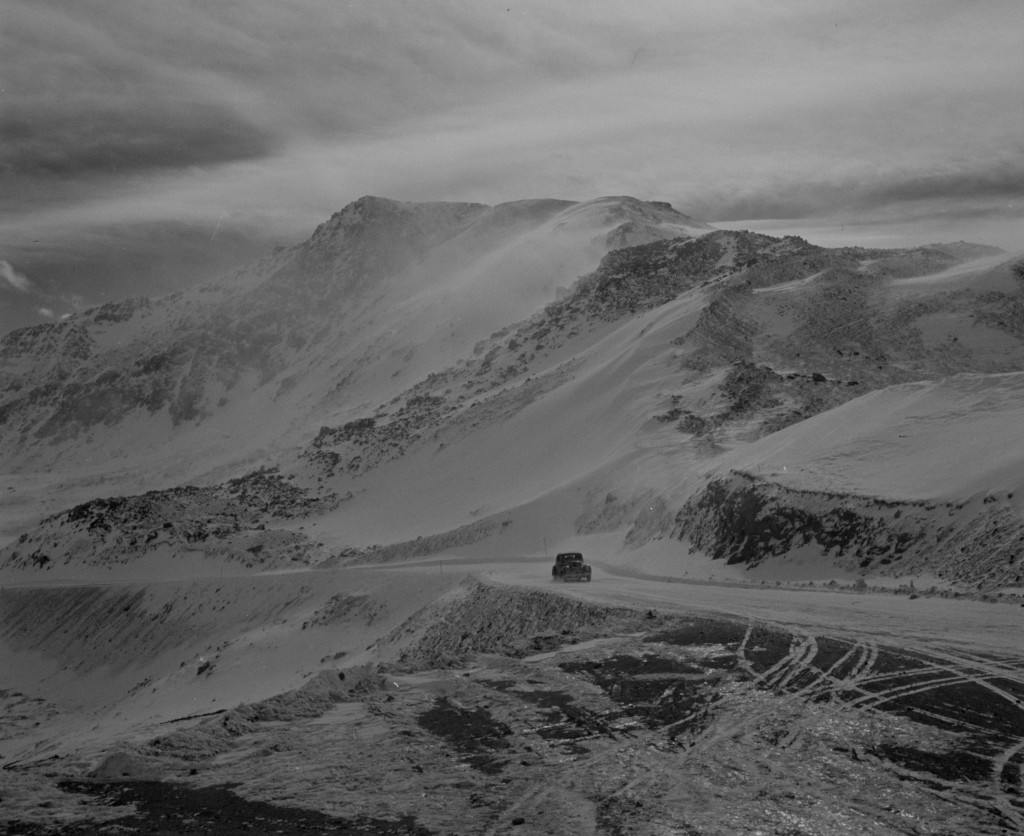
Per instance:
(174,135)
(986,183)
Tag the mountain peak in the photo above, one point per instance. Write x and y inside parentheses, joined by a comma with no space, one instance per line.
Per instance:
(632,208)
(426,221)
(629,221)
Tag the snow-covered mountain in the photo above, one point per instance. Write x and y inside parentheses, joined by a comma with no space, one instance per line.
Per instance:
(382,293)
(419,378)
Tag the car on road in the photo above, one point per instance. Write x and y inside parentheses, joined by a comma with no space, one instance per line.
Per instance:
(570,566)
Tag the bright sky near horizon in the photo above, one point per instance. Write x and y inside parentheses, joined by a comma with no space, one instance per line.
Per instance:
(147,144)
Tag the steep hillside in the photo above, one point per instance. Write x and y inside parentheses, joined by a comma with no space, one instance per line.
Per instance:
(917,479)
(382,293)
(643,408)
(616,400)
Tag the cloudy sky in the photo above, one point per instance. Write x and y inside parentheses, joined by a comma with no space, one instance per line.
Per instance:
(145,144)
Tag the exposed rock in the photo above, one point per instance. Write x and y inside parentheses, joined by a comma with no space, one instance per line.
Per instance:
(228,520)
(746,520)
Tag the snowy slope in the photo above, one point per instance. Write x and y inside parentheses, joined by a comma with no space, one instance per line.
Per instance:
(382,294)
(947,439)
(422,382)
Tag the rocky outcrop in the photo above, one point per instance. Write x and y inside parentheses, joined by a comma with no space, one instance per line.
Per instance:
(742,519)
(233,520)
(432,410)
(464,535)
(479,618)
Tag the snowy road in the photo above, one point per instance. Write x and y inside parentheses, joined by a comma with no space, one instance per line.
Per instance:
(925,621)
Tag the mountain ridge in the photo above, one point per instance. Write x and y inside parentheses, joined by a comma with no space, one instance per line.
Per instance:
(608,410)
(186,355)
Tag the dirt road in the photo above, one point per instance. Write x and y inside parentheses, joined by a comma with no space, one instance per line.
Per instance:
(926,621)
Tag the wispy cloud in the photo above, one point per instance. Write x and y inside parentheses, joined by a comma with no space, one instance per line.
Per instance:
(270,116)
(468,97)
(909,188)
(13,278)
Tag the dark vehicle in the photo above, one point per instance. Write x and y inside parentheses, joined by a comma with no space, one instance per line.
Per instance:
(569,566)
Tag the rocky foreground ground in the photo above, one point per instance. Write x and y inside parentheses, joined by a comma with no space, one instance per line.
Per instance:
(502,709)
